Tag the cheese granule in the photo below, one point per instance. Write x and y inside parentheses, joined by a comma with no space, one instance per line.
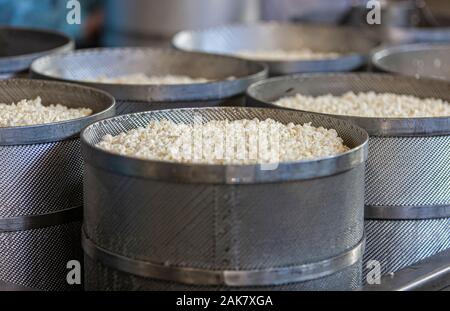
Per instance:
(371,104)
(141,78)
(226,142)
(32,112)
(286,55)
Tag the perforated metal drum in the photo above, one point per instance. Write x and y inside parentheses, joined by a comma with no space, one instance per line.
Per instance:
(19,47)
(163,226)
(230,77)
(41,194)
(416,60)
(408,170)
(353,46)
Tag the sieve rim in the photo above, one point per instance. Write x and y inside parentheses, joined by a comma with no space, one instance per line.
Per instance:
(37,221)
(380,126)
(217,89)
(379,55)
(402,212)
(17,63)
(56,131)
(187,40)
(222,174)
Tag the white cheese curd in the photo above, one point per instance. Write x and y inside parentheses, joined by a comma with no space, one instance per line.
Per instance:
(371,104)
(141,78)
(286,55)
(32,112)
(226,142)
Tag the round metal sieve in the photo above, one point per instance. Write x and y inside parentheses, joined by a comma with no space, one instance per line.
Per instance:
(169,225)
(20,46)
(227,40)
(353,137)
(230,76)
(41,193)
(407,172)
(266,92)
(69,95)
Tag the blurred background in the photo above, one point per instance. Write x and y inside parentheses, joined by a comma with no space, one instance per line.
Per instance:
(154,22)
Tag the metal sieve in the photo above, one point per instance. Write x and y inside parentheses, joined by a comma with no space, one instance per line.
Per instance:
(41,194)
(87,65)
(20,46)
(417,60)
(408,170)
(160,225)
(227,40)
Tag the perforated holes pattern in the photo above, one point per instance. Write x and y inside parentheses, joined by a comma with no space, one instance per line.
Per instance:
(40,178)
(38,258)
(408,171)
(400,243)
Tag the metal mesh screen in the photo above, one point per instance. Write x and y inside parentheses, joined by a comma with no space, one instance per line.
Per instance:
(37,258)
(131,106)
(40,178)
(400,243)
(224,227)
(408,171)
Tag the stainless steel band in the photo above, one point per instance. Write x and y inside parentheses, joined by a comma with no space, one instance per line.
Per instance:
(41,221)
(236,278)
(407,212)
